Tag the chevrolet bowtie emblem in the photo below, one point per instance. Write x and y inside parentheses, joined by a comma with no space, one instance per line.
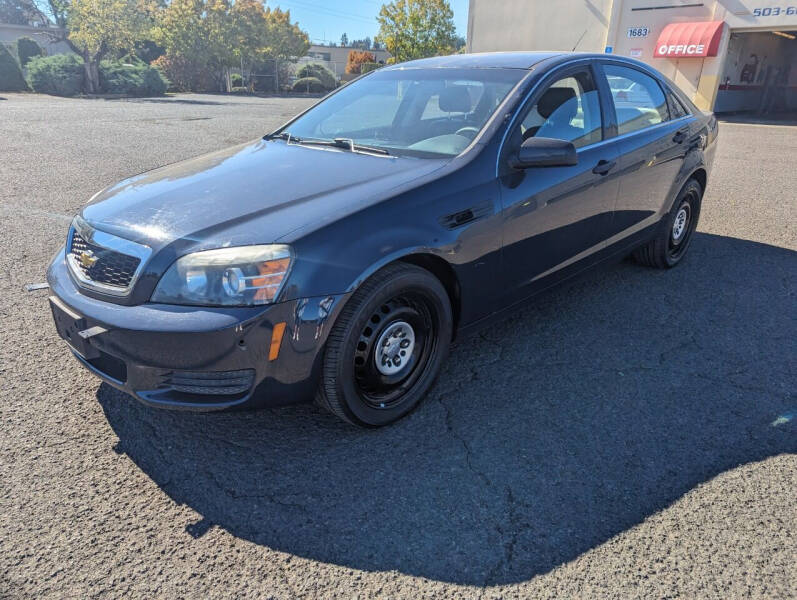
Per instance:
(87,259)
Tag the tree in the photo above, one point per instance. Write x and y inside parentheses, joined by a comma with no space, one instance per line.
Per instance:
(180,28)
(262,35)
(361,44)
(221,40)
(286,40)
(356,59)
(15,12)
(413,29)
(344,40)
(217,35)
(98,27)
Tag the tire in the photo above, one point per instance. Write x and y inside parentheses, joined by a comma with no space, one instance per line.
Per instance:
(386,347)
(674,233)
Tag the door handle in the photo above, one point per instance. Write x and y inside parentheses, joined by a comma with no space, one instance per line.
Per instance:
(680,136)
(604,166)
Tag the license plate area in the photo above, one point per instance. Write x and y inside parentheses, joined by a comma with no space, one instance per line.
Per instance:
(69,324)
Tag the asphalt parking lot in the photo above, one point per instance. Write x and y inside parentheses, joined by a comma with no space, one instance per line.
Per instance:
(631,436)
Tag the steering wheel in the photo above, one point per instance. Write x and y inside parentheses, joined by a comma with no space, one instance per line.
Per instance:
(468,132)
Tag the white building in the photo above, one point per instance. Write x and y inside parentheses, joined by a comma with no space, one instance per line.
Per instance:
(335,57)
(9,34)
(723,53)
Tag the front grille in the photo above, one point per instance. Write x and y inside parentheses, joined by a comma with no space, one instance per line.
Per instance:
(218,383)
(109,267)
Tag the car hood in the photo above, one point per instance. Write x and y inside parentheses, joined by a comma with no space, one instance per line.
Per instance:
(253,193)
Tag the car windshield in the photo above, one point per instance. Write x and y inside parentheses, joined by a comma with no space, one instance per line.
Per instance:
(416,112)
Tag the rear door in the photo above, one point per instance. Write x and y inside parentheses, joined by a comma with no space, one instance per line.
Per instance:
(652,145)
(556,216)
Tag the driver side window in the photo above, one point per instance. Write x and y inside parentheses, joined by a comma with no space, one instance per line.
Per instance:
(568,110)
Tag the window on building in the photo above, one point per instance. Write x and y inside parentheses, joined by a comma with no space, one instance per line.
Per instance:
(638,99)
(568,110)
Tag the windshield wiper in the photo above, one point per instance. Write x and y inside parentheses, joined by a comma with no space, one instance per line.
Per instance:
(345,143)
(349,143)
(285,135)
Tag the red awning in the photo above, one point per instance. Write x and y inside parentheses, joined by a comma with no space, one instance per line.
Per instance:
(692,40)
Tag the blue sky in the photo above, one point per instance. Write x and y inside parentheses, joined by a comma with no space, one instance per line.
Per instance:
(322,19)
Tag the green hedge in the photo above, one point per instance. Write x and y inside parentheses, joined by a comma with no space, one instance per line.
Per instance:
(63,75)
(308,85)
(325,76)
(59,75)
(369,66)
(27,49)
(11,79)
(131,79)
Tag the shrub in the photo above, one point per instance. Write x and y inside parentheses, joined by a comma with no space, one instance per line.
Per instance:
(59,75)
(368,67)
(155,82)
(320,72)
(236,80)
(308,85)
(27,49)
(185,75)
(356,60)
(132,79)
(11,79)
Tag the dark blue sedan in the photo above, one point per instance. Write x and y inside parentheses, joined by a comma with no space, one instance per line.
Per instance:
(336,258)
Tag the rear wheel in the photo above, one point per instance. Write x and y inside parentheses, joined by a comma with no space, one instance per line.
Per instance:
(387,346)
(675,231)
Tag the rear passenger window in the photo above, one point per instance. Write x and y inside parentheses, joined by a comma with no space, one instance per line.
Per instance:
(677,110)
(638,99)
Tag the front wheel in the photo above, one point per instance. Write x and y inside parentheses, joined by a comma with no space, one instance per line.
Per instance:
(387,347)
(675,230)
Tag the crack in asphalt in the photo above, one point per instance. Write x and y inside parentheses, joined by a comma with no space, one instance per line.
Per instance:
(465,445)
(510,537)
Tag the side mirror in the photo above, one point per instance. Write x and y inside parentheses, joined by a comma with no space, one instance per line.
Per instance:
(544,152)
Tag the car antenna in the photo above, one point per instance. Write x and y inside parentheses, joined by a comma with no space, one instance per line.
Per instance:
(579,41)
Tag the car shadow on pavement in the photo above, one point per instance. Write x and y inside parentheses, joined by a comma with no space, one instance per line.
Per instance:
(573,420)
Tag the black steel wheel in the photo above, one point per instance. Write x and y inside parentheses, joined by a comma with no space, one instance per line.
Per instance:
(386,347)
(675,231)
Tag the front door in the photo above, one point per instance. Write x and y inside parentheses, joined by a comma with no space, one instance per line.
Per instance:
(653,148)
(555,216)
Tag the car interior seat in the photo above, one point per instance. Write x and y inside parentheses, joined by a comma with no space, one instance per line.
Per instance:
(558,106)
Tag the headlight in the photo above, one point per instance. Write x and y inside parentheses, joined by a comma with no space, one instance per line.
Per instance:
(241,276)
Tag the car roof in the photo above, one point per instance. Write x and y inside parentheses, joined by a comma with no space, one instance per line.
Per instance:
(482,60)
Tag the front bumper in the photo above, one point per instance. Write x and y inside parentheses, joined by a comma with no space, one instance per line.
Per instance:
(161,353)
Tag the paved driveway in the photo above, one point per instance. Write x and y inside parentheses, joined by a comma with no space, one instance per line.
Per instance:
(633,435)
